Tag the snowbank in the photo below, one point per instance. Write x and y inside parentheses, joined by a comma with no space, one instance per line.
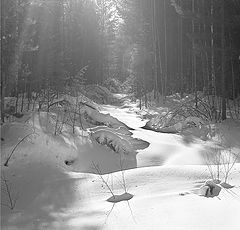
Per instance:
(115,142)
(96,118)
(52,195)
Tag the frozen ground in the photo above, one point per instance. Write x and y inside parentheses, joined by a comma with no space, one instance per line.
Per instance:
(165,186)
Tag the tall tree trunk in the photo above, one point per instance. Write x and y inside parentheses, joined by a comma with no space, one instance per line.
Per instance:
(232,71)
(223,88)
(180,50)
(2,72)
(159,50)
(3,90)
(213,78)
(194,65)
(165,50)
(154,41)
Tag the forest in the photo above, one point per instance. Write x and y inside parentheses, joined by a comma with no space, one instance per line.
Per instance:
(120,114)
(182,46)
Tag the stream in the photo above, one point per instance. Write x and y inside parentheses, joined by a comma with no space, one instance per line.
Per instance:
(164,149)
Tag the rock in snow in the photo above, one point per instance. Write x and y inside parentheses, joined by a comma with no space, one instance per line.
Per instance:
(209,189)
(118,198)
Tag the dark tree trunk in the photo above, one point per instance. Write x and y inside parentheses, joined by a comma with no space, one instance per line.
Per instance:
(223,61)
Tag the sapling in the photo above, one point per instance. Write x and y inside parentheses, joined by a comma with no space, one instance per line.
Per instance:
(115,198)
(228,160)
(96,167)
(213,162)
(74,113)
(56,124)
(221,162)
(123,174)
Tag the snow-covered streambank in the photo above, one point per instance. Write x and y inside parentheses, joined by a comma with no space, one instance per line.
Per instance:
(164,148)
(52,195)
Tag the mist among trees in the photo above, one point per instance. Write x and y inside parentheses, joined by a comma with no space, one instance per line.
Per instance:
(120,114)
(170,46)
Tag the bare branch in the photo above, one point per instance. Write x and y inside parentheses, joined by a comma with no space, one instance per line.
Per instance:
(12,200)
(10,155)
(103,180)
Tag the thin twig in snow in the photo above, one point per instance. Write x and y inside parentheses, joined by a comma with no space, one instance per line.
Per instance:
(10,155)
(103,180)
(12,201)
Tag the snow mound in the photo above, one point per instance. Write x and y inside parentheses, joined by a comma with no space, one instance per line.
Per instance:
(120,130)
(94,117)
(113,141)
(42,145)
(194,126)
(183,116)
(119,140)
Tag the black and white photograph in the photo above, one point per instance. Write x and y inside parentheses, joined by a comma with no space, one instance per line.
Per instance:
(120,114)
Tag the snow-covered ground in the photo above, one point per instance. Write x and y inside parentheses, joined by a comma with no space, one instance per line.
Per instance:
(164,148)
(165,186)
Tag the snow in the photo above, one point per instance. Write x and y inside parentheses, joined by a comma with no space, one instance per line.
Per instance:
(97,118)
(164,148)
(113,141)
(164,187)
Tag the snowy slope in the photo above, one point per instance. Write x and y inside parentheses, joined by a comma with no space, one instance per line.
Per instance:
(162,196)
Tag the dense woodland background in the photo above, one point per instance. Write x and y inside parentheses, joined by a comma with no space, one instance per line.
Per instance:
(53,47)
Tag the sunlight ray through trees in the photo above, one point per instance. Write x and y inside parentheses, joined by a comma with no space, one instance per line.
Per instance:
(170,46)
